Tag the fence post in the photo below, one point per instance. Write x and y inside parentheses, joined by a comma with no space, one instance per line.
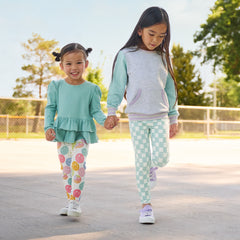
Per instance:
(208,122)
(7,126)
(26,124)
(120,127)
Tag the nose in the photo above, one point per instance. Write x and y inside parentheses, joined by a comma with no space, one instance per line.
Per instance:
(74,66)
(154,40)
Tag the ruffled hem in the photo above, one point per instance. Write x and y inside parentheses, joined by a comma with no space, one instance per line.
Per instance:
(76,125)
(72,136)
(70,130)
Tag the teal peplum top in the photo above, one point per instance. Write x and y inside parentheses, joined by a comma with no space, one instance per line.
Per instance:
(76,106)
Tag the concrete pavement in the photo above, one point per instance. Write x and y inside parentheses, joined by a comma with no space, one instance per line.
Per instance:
(197,196)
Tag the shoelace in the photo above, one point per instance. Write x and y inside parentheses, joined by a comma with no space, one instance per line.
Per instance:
(148,212)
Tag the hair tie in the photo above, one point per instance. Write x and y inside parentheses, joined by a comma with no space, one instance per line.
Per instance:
(57,55)
(88,51)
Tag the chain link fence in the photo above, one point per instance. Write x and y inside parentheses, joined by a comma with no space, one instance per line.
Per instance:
(24,118)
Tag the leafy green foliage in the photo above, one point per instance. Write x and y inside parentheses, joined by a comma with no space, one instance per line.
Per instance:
(94,75)
(190,85)
(228,93)
(40,71)
(219,38)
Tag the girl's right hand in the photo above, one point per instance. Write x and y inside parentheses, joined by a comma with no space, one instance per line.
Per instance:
(111,122)
(50,134)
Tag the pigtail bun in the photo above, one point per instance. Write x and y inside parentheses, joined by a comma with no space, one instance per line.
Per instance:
(57,55)
(88,51)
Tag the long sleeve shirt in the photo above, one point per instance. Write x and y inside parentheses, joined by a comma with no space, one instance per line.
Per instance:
(76,106)
(150,88)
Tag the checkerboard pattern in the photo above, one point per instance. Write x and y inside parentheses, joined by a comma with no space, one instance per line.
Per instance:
(151,143)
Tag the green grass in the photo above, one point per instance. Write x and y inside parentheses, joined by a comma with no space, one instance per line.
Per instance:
(223,135)
(105,135)
(22,135)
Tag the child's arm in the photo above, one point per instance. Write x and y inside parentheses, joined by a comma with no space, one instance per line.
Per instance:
(50,111)
(95,106)
(118,84)
(171,94)
(173,109)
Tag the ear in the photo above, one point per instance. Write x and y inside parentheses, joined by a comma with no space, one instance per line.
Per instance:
(139,32)
(86,63)
(61,65)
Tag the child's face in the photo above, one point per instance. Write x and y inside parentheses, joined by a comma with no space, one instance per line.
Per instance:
(152,36)
(74,65)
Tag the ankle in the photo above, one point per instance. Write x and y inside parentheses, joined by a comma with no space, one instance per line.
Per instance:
(145,204)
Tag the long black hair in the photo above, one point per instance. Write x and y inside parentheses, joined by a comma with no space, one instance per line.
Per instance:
(150,17)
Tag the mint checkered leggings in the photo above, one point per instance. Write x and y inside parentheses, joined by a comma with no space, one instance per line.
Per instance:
(151,142)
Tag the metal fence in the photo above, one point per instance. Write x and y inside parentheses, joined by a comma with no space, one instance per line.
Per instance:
(210,121)
(193,120)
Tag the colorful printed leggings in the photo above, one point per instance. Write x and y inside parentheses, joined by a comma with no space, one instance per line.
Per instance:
(150,142)
(72,158)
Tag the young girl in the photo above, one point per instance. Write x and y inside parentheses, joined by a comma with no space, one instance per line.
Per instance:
(76,103)
(142,68)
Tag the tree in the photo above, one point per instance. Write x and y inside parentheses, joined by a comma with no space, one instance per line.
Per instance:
(94,75)
(227,92)
(190,85)
(219,38)
(41,71)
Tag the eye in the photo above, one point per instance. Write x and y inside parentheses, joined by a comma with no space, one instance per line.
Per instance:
(150,34)
(163,35)
(79,62)
(68,64)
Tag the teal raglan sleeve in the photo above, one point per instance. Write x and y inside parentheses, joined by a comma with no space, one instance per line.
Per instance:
(51,107)
(95,106)
(171,94)
(118,84)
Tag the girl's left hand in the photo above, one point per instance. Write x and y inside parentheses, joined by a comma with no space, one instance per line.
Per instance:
(111,122)
(173,130)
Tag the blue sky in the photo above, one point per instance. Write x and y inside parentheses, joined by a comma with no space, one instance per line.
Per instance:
(104,25)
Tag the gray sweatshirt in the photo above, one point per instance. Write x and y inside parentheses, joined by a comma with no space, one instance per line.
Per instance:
(150,88)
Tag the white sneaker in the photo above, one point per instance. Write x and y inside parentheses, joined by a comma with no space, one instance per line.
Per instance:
(63,211)
(74,209)
(146,215)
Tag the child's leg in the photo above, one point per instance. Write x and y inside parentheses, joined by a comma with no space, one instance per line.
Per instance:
(80,151)
(140,138)
(160,142)
(65,158)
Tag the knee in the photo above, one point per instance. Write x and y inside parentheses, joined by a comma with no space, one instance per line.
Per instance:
(160,161)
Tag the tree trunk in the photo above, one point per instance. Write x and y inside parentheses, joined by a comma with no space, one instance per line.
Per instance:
(35,127)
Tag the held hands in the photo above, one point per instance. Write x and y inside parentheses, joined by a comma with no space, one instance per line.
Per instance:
(173,130)
(50,134)
(111,122)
